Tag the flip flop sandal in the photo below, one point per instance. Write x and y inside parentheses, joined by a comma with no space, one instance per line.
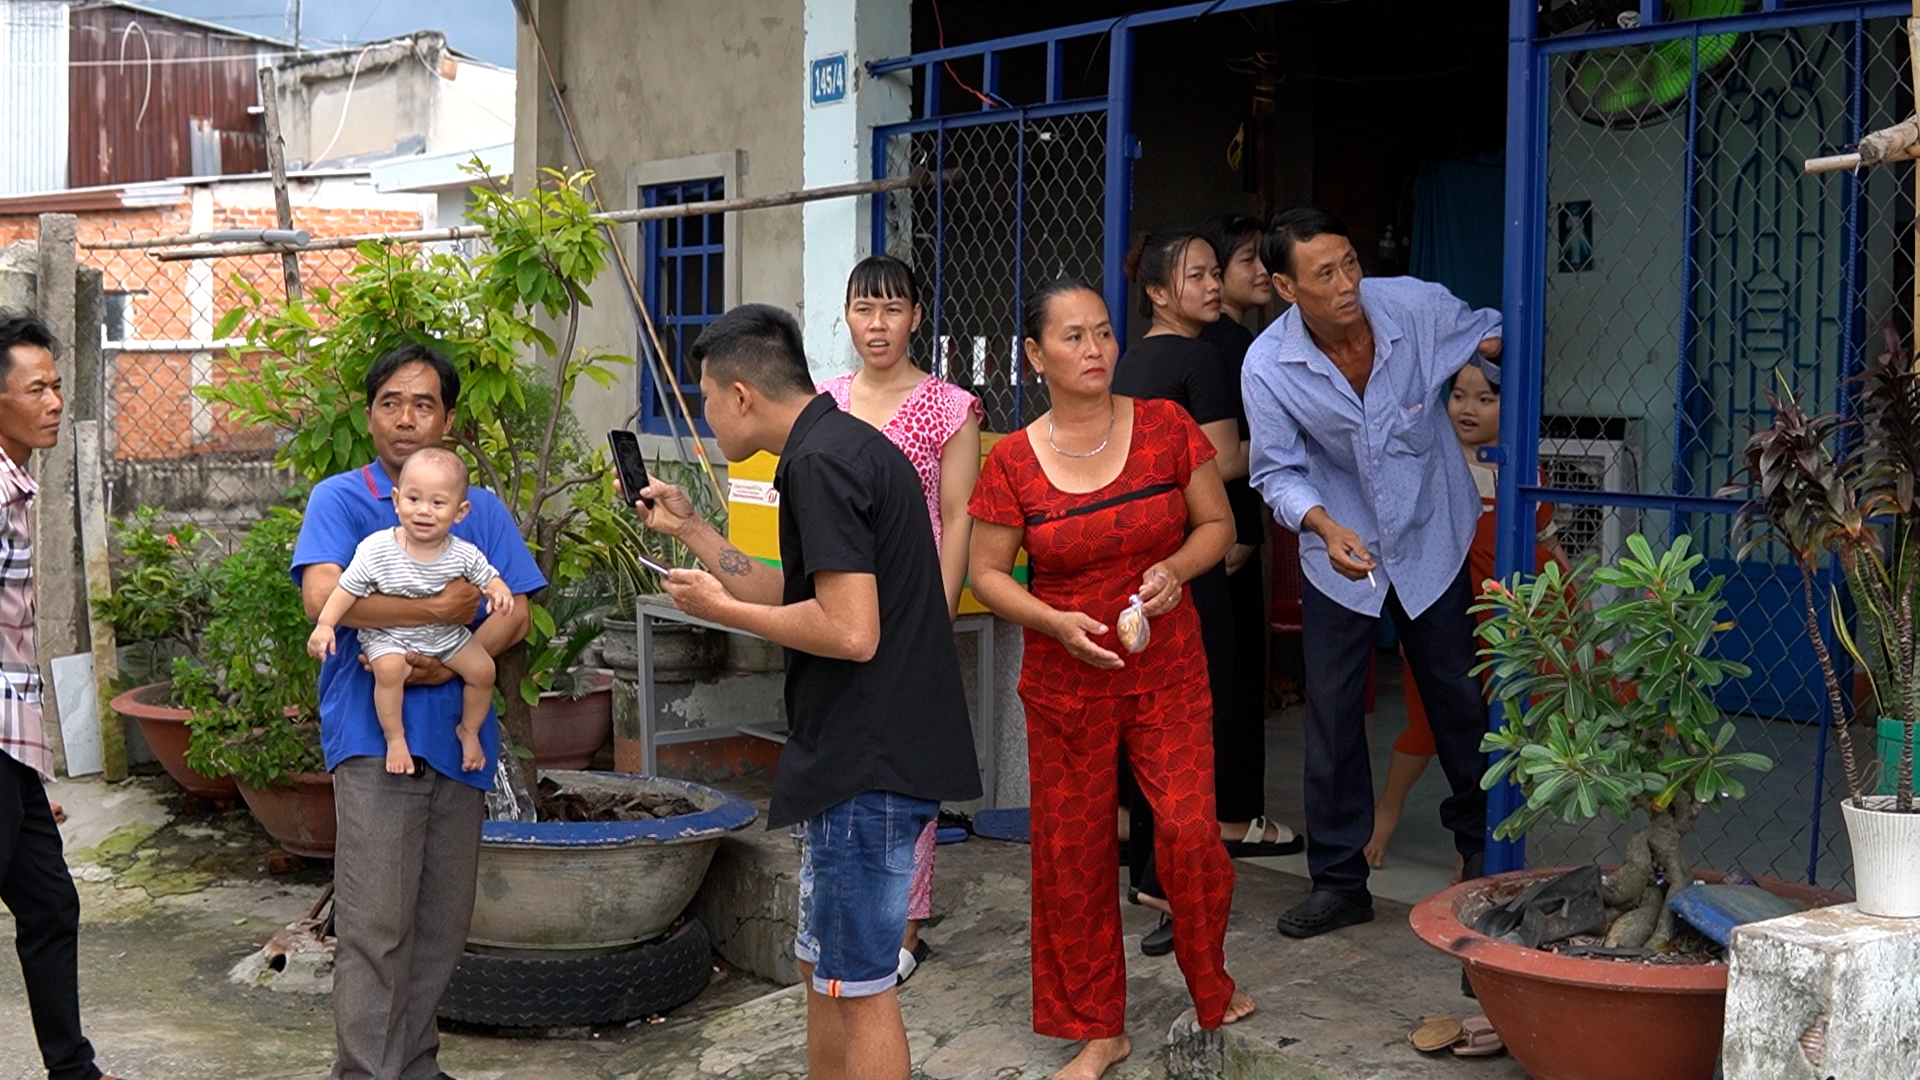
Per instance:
(1435,1034)
(1477,1039)
(1255,845)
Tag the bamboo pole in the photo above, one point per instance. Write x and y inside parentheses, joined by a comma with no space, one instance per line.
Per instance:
(277,169)
(1913,60)
(917,178)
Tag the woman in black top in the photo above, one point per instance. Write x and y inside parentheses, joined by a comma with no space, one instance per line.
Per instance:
(1180,283)
(1244,286)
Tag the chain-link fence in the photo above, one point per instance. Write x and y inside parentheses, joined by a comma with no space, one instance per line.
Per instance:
(164,447)
(1028,207)
(1692,268)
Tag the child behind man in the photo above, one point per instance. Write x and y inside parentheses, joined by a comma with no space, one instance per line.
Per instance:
(416,559)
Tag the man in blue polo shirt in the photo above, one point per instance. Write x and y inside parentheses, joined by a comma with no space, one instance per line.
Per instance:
(408,846)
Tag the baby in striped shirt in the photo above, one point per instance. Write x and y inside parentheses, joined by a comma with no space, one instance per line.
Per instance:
(417,559)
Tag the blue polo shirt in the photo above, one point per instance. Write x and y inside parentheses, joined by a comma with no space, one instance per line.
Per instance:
(342,511)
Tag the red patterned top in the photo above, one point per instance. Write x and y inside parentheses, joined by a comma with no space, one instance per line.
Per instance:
(920,427)
(1088,551)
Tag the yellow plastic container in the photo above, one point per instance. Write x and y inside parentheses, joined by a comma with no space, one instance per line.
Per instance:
(753,516)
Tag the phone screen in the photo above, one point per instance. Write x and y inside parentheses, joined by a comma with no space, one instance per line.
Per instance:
(632,468)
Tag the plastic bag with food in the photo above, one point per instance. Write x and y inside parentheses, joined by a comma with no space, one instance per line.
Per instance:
(1132,627)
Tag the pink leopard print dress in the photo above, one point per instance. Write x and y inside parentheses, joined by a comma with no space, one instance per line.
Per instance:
(929,416)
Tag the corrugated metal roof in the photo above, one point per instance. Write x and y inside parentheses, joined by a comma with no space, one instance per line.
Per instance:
(139,80)
(33,85)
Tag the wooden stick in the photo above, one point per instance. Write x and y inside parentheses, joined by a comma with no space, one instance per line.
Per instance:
(277,169)
(1843,162)
(918,178)
(1913,56)
(88,453)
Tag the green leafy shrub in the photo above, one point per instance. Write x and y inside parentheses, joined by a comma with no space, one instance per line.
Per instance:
(1611,709)
(254,691)
(162,587)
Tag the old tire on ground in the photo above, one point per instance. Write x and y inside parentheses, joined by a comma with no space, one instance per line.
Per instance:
(535,991)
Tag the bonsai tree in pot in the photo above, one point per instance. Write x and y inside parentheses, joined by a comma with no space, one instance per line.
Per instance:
(1611,709)
(1857,504)
(254,691)
(303,360)
(162,592)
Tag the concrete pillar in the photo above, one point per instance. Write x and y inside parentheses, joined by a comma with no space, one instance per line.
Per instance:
(837,148)
(1828,993)
(59,616)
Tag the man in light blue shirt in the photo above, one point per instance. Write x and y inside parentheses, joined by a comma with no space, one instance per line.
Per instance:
(1352,449)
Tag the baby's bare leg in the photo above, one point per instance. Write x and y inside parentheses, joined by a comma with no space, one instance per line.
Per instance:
(475,669)
(389,688)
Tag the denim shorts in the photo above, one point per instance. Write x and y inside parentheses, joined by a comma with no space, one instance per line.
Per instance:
(856,869)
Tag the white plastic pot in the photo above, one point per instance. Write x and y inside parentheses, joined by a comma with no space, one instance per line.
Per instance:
(1886,857)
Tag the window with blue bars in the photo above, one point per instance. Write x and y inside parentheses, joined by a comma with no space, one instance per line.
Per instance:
(685,260)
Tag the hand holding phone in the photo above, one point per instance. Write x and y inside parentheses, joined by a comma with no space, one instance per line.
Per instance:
(630,466)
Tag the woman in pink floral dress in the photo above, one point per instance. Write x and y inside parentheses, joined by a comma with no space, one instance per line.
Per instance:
(937,425)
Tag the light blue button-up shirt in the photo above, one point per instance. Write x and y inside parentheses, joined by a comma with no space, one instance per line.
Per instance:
(1388,467)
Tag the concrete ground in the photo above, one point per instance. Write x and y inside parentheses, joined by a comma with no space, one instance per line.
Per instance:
(171,903)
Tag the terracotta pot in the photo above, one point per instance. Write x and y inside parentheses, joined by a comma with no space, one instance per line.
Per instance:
(1567,1018)
(568,731)
(165,729)
(297,814)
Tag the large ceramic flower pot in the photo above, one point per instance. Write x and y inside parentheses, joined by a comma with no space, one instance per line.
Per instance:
(1568,1018)
(165,729)
(681,652)
(568,731)
(578,887)
(297,814)
(1886,857)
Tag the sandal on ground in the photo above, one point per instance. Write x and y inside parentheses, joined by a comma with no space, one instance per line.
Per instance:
(1159,940)
(911,959)
(1477,1039)
(1255,845)
(1435,1033)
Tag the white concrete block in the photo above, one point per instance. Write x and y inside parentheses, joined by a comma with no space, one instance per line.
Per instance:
(1828,994)
(78,705)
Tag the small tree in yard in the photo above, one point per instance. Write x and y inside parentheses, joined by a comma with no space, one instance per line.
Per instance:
(304,362)
(1611,709)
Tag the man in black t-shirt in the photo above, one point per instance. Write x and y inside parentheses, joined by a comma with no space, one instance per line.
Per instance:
(879,730)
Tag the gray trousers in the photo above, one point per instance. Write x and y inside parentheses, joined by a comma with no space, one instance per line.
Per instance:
(403,876)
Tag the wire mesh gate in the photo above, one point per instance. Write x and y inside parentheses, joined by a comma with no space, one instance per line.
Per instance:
(1664,258)
(1668,264)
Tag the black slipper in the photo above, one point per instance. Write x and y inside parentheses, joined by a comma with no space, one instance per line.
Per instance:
(1322,912)
(1159,940)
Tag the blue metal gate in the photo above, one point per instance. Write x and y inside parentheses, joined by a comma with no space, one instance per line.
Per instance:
(1667,264)
(1663,259)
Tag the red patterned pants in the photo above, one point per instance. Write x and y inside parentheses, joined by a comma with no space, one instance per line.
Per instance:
(1073,749)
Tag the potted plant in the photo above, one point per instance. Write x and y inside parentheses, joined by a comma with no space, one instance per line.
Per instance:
(254,692)
(159,608)
(572,710)
(1829,486)
(1609,709)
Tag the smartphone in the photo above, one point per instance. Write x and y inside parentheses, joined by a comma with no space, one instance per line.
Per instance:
(631,466)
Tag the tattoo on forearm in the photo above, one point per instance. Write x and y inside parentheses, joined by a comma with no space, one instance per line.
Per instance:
(733,561)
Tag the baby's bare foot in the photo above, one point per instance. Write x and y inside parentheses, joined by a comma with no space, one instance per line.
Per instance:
(1095,1058)
(399,757)
(472,758)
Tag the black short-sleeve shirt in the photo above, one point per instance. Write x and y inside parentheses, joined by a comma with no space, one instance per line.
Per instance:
(1183,370)
(1232,341)
(850,501)
(1200,378)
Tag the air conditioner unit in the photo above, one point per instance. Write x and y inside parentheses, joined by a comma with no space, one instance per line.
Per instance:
(1591,453)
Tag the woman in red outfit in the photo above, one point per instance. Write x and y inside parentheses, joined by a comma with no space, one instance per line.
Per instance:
(1111,497)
